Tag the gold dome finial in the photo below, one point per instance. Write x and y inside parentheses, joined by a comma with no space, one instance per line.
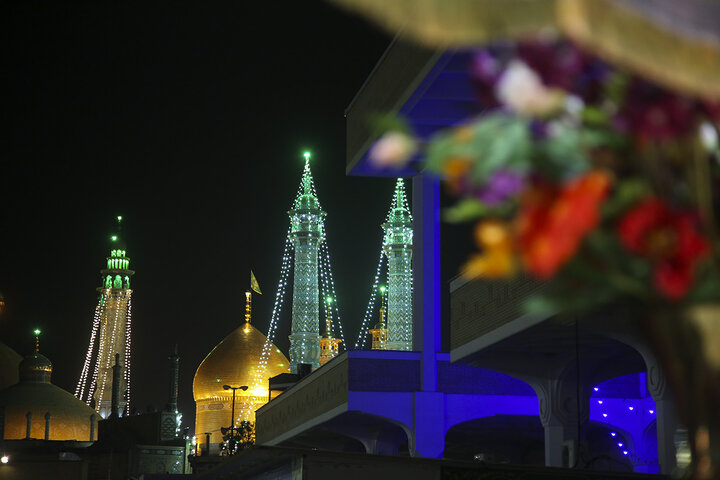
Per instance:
(248,306)
(37,340)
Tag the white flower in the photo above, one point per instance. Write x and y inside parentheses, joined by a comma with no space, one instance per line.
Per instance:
(521,90)
(393,149)
(708,136)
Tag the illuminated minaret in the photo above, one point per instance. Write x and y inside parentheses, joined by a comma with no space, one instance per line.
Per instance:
(379,333)
(397,245)
(306,233)
(329,345)
(110,334)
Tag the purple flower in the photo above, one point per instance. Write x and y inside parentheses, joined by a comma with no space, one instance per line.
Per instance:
(502,185)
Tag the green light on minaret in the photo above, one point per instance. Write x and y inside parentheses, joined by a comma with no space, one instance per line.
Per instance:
(306,154)
(329,300)
(383,288)
(119,218)
(36,331)
(114,238)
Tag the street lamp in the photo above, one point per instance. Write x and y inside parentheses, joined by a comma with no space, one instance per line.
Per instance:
(232,420)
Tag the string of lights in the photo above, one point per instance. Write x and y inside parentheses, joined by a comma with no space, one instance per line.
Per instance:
(370,310)
(333,309)
(80,388)
(128,337)
(285,268)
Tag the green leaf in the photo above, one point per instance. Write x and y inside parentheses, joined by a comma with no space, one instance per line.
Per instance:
(381,123)
(625,194)
(496,140)
(469,209)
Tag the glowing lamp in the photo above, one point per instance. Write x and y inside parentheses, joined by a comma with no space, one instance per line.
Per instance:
(625,452)
(631,408)
(605,415)
(306,154)
(612,434)
(114,238)
(36,331)
(4,459)
(596,388)
(620,444)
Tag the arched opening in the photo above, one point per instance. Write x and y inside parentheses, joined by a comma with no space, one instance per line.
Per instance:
(624,404)
(516,439)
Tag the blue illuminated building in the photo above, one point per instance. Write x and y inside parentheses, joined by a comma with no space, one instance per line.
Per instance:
(551,390)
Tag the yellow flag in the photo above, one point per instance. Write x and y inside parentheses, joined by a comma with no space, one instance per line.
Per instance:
(254,283)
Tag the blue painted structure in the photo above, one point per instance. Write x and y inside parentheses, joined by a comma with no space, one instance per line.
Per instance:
(421,403)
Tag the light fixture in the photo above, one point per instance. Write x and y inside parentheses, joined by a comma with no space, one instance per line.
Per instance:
(4,459)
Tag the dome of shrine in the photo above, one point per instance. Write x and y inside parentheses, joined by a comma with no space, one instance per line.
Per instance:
(51,412)
(234,362)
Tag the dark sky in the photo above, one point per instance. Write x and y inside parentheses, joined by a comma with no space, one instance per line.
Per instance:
(187,118)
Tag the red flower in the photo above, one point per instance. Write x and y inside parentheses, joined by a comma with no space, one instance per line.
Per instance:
(651,114)
(553,221)
(669,238)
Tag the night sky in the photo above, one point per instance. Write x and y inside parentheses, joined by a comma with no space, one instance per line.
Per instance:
(189,120)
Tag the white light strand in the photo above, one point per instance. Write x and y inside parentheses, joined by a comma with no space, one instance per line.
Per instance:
(277,309)
(109,355)
(128,337)
(370,310)
(101,346)
(82,382)
(330,285)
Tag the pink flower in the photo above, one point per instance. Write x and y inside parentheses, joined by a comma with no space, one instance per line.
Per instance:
(520,89)
(394,149)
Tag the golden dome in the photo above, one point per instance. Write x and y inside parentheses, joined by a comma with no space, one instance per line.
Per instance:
(234,361)
(54,413)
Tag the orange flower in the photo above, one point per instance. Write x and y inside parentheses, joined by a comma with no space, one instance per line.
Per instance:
(497,258)
(456,169)
(553,220)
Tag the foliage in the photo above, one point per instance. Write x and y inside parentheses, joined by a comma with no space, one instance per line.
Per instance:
(242,436)
(581,173)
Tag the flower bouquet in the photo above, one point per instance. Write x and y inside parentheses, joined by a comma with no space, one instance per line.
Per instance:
(603,184)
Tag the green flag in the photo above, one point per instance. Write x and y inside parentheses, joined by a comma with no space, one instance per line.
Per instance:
(254,283)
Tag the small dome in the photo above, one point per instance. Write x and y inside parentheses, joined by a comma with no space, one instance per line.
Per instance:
(307,202)
(9,361)
(45,405)
(35,368)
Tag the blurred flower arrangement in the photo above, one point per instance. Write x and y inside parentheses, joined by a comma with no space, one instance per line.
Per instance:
(606,186)
(581,173)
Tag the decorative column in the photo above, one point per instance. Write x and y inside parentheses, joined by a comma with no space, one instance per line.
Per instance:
(174,361)
(397,245)
(110,334)
(665,417)
(306,232)
(558,408)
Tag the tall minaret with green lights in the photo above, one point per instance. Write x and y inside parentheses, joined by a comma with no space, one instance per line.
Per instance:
(397,245)
(306,232)
(110,334)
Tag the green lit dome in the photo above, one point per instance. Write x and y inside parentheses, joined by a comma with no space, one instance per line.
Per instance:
(307,202)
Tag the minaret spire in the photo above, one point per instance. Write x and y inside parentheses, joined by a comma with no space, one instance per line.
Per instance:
(306,233)
(397,245)
(110,331)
